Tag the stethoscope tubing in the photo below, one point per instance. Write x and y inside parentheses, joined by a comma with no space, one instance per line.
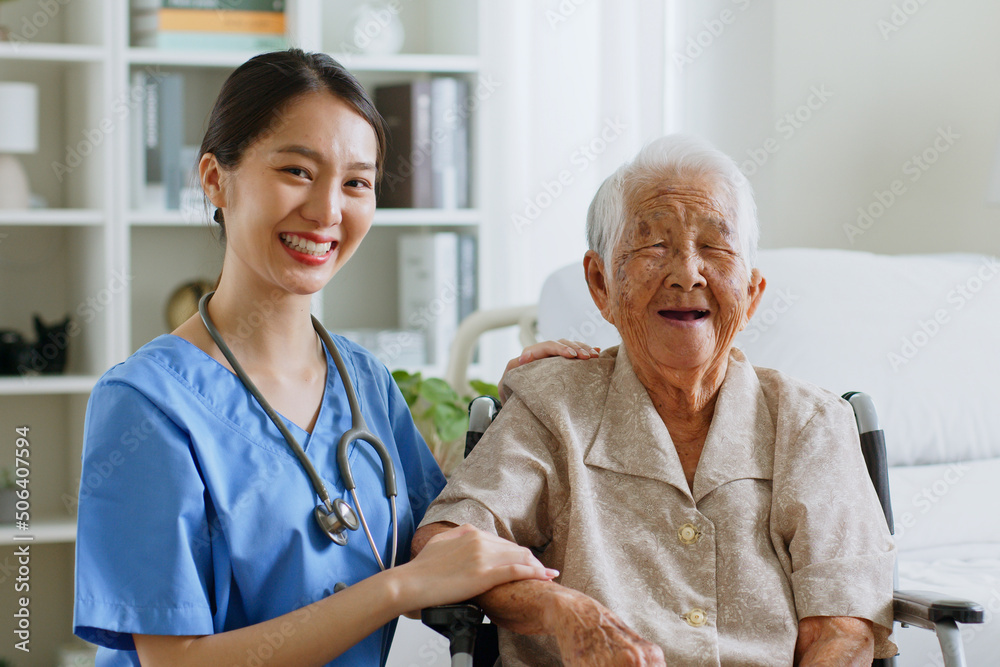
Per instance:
(359,431)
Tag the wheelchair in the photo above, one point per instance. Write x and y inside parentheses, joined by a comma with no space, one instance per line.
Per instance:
(474,644)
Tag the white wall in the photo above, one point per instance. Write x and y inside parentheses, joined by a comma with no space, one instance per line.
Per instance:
(896,75)
(578,89)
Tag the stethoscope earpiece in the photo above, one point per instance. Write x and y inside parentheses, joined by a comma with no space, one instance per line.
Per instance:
(336,523)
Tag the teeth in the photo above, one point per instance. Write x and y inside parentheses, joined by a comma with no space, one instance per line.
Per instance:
(306,246)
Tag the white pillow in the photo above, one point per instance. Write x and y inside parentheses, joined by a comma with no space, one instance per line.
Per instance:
(947,510)
(918,333)
(566,310)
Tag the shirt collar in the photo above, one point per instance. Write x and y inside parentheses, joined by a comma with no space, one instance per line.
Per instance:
(633,440)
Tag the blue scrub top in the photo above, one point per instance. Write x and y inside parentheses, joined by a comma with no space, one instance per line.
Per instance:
(195,517)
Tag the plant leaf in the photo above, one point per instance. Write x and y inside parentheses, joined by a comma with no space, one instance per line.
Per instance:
(484,388)
(450,421)
(409,385)
(436,390)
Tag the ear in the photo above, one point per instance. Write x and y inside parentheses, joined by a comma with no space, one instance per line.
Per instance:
(211,176)
(597,281)
(756,291)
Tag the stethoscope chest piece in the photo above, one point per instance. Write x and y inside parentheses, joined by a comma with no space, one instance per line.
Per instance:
(336,523)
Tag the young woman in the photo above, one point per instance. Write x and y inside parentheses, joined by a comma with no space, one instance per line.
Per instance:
(207,541)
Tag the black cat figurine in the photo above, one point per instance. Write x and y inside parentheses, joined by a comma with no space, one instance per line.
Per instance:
(47,355)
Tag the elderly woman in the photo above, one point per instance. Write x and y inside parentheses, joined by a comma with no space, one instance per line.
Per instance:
(693,503)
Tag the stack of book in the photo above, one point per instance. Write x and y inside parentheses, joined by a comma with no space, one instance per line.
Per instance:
(238,25)
(163,169)
(437,287)
(427,162)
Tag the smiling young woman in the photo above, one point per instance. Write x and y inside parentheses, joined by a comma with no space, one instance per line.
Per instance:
(201,548)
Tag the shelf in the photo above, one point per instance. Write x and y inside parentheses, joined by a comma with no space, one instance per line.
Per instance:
(164,218)
(435,64)
(69,53)
(60,217)
(42,384)
(52,531)
(384,217)
(405,217)
(409,62)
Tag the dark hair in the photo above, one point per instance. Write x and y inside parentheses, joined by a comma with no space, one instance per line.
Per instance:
(253,97)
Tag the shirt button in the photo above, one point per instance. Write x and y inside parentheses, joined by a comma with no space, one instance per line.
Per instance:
(688,533)
(696,618)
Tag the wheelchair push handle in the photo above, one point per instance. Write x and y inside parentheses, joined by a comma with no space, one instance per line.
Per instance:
(482,411)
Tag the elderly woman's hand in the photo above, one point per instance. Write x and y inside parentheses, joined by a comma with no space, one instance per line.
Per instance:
(588,634)
(570,349)
(834,641)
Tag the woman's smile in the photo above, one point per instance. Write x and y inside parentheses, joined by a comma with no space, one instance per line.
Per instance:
(308,248)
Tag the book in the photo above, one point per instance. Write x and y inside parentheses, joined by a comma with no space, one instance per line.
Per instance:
(228,5)
(253,25)
(157,141)
(137,144)
(450,140)
(208,20)
(468,279)
(170,129)
(212,41)
(427,161)
(428,289)
(407,180)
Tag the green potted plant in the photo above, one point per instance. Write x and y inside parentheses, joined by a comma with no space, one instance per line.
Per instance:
(8,496)
(440,413)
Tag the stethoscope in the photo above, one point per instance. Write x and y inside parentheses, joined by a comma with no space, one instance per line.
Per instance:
(334,517)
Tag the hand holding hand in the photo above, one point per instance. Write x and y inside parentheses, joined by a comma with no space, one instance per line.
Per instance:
(569,349)
(460,563)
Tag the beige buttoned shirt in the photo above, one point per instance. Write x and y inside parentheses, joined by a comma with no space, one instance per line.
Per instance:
(782,522)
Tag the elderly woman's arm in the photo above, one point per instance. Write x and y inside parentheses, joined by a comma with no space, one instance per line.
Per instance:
(587,632)
(835,641)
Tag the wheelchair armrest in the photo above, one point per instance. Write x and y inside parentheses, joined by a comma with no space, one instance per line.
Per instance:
(458,622)
(924,609)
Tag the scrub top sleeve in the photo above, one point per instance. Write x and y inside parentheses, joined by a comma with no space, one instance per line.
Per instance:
(143,550)
(424,479)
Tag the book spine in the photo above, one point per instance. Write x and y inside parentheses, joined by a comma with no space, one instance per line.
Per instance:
(137,145)
(408,180)
(210,41)
(420,155)
(457,120)
(468,279)
(428,289)
(171,131)
(207,20)
(150,135)
(226,5)
(444,96)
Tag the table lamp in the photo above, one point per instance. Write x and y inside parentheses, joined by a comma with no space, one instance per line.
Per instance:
(18,134)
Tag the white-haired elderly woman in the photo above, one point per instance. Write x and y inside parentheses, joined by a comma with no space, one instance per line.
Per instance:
(694,503)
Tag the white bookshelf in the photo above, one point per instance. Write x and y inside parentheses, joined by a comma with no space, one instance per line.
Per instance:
(74,251)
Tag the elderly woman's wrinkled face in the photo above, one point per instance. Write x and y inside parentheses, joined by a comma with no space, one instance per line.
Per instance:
(678,288)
